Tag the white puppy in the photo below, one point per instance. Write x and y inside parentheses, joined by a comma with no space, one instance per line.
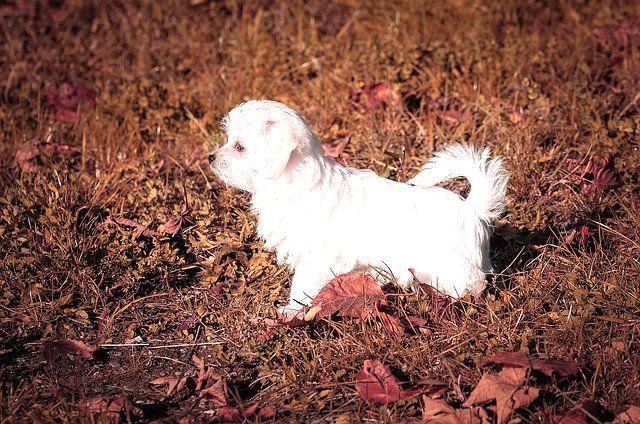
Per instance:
(323,219)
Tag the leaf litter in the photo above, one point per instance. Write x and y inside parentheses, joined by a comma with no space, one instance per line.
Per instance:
(122,145)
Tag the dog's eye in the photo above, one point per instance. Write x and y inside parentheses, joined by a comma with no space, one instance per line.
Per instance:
(239,147)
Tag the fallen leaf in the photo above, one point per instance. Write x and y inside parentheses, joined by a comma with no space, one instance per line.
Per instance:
(216,392)
(66,99)
(25,156)
(617,33)
(174,384)
(229,414)
(210,385)
(59,16)
(451,117)
(390,323)
(376,95)
(591,409)
(267,412)
(21,8)
(234,414)
(175,225)
(439,411)
(570,419)
(598,172)
(630,416)
(581,235)
(140,229)
(349,295)
(53,349)
(375,383)
(546,366)
(112,407)
(507,388)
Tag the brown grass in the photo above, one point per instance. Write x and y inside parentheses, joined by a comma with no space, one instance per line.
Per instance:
(546,85)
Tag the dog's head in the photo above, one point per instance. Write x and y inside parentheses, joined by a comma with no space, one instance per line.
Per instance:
(262,136)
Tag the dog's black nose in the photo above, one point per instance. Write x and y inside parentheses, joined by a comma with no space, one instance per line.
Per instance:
(212,157)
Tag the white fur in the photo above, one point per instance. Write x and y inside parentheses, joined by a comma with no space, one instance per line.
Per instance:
(323,219)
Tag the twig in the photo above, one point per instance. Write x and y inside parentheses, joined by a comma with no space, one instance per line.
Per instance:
(148,346)
(615,232)
(631,103)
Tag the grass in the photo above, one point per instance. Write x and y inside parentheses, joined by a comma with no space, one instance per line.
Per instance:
(547,85)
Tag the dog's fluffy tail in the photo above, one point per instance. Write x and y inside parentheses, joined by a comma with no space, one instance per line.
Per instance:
(487,177)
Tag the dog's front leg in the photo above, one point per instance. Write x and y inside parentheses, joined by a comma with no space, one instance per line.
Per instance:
(305,285)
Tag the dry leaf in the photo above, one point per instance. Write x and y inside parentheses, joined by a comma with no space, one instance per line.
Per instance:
(112,407)
(571,419)
(254,413)
(66,99)
(390,323)
(439,411)
(175,384)
(349,295)
(53,349)
(140,229)
(375,383)
(376,95)
(210,385)
(25,156)
(598,172)
(451,117)
(630,416)
(546,366)
(507,388)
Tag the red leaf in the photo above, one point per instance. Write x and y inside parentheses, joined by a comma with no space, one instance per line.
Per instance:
(599,173)
(390,323)
(451,117)
(439,411)
(175,225)
(349,295)
(21,8)
(571,419)
(210,384)
(175,384)
(377,95)
(579,413)
(141,230)
(66,99)
(53,349)
(112,407)
(59,16)
(375,383)
(234,414)
(630,416)
(509,390)
(619,33)
(66,116)
(267,412)
(521,360)
(229,414)
(25,156)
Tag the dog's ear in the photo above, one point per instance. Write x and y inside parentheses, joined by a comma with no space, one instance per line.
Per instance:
(280,141)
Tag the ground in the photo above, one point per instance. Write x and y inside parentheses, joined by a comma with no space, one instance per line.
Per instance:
(114,233)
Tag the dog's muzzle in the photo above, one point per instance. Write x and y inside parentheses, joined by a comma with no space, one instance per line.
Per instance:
(212,158)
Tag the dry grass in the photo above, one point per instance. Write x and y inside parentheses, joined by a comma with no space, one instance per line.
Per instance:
(547,86)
